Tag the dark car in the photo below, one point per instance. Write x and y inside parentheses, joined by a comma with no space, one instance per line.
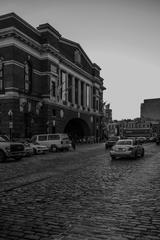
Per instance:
(111,141)
(158,139)
(141,139)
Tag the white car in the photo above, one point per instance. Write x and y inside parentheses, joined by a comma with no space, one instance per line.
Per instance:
(35,148)
(127,148)
(56,141)
(38,148)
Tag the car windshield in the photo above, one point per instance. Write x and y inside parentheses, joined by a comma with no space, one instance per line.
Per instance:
(126,142)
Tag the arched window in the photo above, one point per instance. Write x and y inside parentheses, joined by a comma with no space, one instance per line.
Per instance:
(27,77)
(1,76)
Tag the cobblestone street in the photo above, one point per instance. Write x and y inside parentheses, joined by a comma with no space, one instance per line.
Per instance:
(81,195)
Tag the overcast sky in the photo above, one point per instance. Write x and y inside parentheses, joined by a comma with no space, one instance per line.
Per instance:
(121,36)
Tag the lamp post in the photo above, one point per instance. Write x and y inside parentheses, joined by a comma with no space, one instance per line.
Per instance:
(10,114)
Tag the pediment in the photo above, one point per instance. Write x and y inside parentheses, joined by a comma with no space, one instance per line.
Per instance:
(75,52)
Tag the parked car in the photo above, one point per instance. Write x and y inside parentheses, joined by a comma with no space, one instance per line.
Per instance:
(35,148)
(111,141)
(10,149)
(38,148)
(57,141)
(127,148)
(141,139)
(158,139)
(152,139)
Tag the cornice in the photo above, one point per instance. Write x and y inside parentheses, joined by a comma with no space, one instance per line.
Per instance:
(15,16)
(46,27)
(17,34)
(43,51)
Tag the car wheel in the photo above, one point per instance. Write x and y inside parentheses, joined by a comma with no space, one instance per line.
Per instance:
(2,156)
(34,151)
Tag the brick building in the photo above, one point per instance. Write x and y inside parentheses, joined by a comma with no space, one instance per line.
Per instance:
(47,82)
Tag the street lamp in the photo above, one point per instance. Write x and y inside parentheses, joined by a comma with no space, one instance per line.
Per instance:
(10,114)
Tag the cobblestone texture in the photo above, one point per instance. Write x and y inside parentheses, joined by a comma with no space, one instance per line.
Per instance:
(81,195)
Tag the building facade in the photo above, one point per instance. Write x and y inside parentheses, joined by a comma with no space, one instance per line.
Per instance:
(150,109)
(135,128)
(130,128)
(47,82)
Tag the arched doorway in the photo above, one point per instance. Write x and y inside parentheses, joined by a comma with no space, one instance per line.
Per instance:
(77,128)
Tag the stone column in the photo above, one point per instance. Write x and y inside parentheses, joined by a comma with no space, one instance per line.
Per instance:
(66,88)
(84,94)
(79,92)
(73,89)
(91,97)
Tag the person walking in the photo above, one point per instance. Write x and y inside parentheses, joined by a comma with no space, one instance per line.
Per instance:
(73,144)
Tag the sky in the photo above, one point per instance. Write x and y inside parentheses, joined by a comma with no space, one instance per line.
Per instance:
(121,36)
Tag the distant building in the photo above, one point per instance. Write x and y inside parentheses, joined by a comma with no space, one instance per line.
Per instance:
(150,109)
(134,128)
(47,82)
(107,119)
(108,113)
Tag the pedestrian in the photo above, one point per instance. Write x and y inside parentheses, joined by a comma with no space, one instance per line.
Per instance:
(106,144)
(73,144)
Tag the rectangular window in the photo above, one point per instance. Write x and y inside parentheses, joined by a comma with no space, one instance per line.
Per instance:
(28,76)
(53,89)
(54,112)
(97,104)
(53,137)
(42,138)
(53,83)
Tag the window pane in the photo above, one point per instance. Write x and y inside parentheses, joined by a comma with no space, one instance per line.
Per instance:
(53,137)
(42,138)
